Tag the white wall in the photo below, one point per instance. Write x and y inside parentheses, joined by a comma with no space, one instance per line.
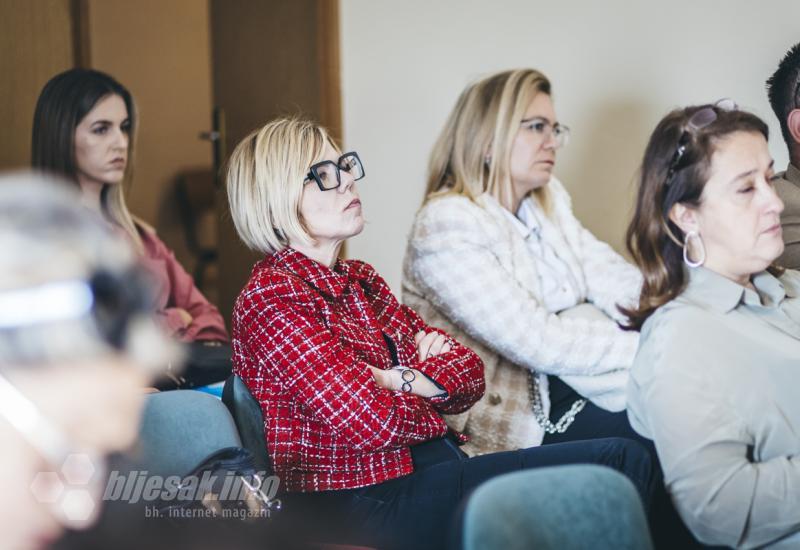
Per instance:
(616,66)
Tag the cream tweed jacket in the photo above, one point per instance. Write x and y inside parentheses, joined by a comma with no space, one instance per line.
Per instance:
(468,271)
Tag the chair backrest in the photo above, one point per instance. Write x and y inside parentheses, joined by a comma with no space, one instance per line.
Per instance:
(556,508)
(179,429)
(195,195)
(246,413)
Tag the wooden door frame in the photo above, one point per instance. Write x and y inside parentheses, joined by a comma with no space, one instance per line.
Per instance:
(329,66)
(81,44)
(330,77)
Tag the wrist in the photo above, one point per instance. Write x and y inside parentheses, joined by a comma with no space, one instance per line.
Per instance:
(402,378)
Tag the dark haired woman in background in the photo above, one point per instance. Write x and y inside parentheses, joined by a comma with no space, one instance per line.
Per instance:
(714,383)
(83,130)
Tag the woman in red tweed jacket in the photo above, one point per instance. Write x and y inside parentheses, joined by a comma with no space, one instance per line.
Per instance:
(352,384)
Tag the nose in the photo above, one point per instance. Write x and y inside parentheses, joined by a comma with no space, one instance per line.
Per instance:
(550,142)
(774,204)
(347,181)
(121,139)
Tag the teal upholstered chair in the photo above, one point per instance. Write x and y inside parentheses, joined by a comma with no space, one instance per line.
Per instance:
(558,508)
(179,429)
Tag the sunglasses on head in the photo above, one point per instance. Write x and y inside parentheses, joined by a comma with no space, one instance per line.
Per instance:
(699,120)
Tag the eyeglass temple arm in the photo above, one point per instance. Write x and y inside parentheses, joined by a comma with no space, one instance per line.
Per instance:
(23,415)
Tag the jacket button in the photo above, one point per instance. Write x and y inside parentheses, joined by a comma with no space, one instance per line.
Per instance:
(495,399)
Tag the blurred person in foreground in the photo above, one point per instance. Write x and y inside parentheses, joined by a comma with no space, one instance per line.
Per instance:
(77,347)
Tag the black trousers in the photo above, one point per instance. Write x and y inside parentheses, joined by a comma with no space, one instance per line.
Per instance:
(423,509)
(592,422)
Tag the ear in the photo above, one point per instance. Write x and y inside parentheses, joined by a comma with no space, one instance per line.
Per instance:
(793,122)
(684,217)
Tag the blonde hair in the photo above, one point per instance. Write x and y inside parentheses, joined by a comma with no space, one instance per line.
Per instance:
(117,211)
(484,123)
(265,182)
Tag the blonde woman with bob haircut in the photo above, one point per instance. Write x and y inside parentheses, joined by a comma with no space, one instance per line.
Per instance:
(497,258)
(351,383)
(265,210)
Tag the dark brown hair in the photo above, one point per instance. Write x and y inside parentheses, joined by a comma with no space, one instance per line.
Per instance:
(65,100)
(653,240)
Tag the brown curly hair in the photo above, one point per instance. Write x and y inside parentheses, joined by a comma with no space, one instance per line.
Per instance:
(653,240)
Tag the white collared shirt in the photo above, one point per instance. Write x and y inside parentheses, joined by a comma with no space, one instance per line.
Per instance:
(560,290)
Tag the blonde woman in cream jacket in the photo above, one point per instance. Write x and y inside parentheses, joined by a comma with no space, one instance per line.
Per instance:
(497,258)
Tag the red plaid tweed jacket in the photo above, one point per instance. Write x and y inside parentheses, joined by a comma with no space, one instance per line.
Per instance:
(303,336)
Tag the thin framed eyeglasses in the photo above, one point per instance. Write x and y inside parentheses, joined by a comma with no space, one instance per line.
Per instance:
(545,129)
(699,120)
(327,173)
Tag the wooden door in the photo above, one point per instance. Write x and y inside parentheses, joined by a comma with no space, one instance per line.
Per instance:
(161,52)
(37,40)
(269,57)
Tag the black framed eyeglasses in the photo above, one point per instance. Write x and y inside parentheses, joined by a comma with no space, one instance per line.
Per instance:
(699,120)
(327,173)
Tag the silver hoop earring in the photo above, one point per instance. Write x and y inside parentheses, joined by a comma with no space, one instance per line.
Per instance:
(686,260)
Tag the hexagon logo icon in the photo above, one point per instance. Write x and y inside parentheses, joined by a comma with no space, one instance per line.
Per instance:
(78,506)
(47,487)
(78,469)
(71,490)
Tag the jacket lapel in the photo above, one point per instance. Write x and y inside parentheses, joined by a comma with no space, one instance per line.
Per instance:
(518,260)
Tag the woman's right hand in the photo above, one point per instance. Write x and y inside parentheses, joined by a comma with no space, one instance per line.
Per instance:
(185,316)
(430,344)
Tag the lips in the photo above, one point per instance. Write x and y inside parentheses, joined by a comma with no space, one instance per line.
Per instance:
(118,162)
(774,229)
(353,203)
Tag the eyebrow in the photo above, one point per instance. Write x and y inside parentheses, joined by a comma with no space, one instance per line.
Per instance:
(537,117)
(749,173)
(103,121)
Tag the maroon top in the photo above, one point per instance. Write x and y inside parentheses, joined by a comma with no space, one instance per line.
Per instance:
(175,289)
(303,336)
